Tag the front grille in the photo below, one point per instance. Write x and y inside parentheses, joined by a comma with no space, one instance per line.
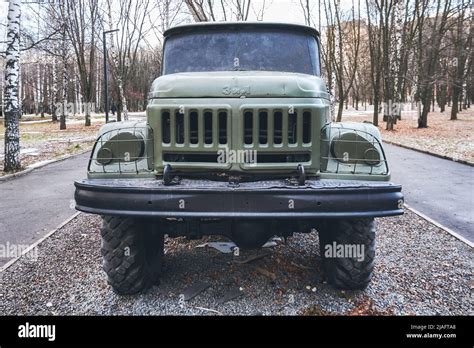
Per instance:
(248,137)
(276,128)
(194,127)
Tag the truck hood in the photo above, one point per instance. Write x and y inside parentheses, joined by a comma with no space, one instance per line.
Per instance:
(238,84)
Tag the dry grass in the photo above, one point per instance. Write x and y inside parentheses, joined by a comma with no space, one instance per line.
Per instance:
(453,139)
(44,141)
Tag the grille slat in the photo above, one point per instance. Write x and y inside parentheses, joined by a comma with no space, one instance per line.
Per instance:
(267,128)
(284,131)
(263,127)
(173,129)
(255,127)
(200,128)
(186,129)
(215,128)
(179,128)
(270,120)
(194,127)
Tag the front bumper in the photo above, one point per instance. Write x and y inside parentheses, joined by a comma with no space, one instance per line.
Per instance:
(276,199)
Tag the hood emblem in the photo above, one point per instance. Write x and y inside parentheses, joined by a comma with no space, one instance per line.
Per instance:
(236,91)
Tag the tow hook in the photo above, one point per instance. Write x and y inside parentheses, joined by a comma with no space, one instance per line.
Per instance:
(234,181)
(167,178)
(301,175)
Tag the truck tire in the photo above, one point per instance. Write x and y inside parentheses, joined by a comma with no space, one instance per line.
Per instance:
(132,252)
(349,273)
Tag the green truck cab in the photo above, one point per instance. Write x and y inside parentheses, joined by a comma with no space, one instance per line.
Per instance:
(238,142)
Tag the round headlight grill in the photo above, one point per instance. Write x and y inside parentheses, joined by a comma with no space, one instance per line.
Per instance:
(351,148)
(123,147)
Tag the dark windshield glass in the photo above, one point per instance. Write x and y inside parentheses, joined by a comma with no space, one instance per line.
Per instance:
(227,50)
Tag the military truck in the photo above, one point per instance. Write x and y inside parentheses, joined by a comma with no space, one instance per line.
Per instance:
(238,141)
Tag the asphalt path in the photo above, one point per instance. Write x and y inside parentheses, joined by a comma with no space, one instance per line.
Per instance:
(440,189)
(33,204)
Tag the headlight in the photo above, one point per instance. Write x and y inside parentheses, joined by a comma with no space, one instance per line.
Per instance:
(123,147)
(351,148)
(104,155)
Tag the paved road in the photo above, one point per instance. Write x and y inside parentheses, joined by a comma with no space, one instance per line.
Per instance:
(34,204)
(37,202)
(441,189)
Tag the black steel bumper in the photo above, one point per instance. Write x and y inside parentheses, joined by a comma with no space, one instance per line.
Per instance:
(274,199)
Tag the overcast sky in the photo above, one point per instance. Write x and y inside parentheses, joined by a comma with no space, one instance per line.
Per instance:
(276,11)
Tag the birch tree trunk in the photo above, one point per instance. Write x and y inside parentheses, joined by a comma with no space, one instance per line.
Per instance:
(12,78)
(21,89)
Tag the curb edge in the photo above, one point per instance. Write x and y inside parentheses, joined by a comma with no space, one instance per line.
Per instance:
(38,242)
(437,224)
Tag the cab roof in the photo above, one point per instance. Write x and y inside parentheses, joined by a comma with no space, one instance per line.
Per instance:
(217,26)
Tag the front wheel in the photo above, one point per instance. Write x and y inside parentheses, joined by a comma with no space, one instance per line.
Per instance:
(132,252)
(348,251)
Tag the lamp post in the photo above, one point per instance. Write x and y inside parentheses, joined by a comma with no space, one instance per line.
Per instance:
(106,92)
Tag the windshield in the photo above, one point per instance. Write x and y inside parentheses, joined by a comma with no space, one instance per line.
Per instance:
(244,50)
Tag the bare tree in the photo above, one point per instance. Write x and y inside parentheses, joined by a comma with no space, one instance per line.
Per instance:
(241,9)
(169,12)
(83,18)
(341,52)
(126,43)
(259,12)
(306,8)
(198,11)
(222,10)
(461,37)
(12,77)
(431,31)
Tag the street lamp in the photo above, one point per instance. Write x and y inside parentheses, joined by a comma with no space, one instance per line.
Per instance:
(106,92)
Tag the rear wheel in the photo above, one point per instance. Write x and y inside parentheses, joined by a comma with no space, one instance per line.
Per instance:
(132,251)
(356,237)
